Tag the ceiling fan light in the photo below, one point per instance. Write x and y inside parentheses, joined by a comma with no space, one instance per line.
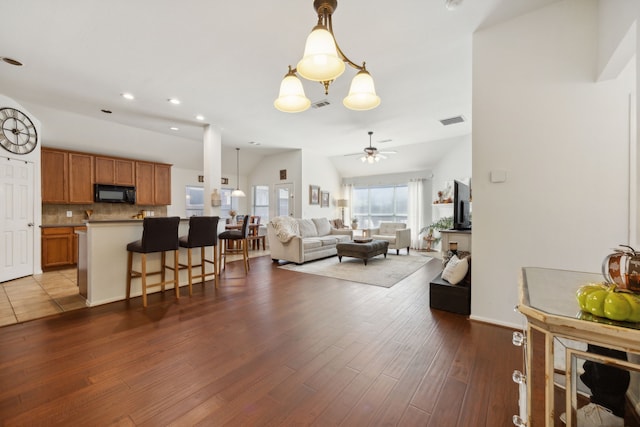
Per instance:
(362,93)
(291,98)
(320,61)
(363,159)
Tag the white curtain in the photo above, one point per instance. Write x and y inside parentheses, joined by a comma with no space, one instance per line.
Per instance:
(416,211)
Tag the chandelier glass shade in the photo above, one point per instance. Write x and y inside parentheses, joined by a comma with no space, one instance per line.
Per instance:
(291,97)
(323,61)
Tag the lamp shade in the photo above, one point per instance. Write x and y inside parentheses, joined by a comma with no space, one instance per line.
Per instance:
(291,98)
(238,193)
(342,203)
(320,61)
(362,93)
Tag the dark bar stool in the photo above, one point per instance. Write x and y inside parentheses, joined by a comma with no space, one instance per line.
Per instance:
(239,237)
(158,235)
(203,232)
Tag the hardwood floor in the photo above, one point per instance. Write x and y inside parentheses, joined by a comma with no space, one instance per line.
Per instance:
(274,347)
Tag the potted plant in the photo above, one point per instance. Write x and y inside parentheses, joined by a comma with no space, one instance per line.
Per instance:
(432,230)
(354,223)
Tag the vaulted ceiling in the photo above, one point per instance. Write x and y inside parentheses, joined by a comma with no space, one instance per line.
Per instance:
(225,60)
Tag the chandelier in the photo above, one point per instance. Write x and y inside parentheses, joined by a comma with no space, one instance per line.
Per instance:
(323,61)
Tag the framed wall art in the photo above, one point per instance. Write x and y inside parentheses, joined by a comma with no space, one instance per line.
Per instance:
(314,195)
(324,199)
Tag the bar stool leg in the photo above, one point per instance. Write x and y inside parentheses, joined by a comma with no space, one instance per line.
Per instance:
(143,271)
(129,268)
(215,266)
(176,274)
(203,267)
(190,271)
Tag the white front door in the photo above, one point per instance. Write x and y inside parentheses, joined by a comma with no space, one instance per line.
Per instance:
(16,219)
(284,200)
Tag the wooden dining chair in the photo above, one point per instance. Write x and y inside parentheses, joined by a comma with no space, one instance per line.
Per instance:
(254,233)
(239,238)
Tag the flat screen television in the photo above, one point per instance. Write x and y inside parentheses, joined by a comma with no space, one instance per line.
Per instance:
(461,206)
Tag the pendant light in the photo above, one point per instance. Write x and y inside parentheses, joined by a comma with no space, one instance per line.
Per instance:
(323,61)
(237,192)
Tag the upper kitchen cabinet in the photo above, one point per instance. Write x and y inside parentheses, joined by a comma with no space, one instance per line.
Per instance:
(55,175)
(162,190)
(80,178)
(111,170)
(66,177)
(153,184)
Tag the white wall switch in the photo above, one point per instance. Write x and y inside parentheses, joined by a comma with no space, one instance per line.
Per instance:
(498,176)
(69,214)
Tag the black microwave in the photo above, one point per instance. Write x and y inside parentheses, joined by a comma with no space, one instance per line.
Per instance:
(114,194)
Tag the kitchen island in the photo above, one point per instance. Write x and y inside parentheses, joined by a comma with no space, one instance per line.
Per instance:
(102,259)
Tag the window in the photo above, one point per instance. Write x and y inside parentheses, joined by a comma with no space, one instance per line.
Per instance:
(195,201)
(375,204)
(261,202)
(227,202)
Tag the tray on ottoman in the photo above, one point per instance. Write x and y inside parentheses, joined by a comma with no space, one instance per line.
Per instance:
(363,251)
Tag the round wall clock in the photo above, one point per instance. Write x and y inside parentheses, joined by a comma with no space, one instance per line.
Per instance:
(18,135)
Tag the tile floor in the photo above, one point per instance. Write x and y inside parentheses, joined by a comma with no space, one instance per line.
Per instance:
(38,296)
(49,293)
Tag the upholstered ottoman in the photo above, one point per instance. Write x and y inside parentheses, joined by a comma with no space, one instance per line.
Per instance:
(363,251)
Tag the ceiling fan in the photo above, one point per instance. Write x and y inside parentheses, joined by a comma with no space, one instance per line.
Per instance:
(371,153)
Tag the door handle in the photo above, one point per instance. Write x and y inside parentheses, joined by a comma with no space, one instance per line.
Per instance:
(30,224)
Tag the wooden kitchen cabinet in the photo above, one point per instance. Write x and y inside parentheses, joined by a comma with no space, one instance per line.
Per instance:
(69,177)
(144,183)
(153,184)
(55,171)
(111,170)
(57,247)
(66,177)
(80,178)
(162,184)
(60,246)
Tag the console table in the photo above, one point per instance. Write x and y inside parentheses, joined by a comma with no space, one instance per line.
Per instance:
(547,300)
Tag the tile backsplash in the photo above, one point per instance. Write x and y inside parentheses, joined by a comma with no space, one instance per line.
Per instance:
(57,214)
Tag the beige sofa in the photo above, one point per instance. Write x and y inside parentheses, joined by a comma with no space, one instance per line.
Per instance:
(396,233)
(301,240)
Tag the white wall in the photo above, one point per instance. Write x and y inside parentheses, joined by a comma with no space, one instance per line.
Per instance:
(318,170)
(563,140)
(267,172)
(180,178)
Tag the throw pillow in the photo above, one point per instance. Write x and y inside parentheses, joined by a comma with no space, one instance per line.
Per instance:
(323,226)
(455,270)
(307,228)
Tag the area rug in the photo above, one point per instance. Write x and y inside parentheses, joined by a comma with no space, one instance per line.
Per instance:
(379,271)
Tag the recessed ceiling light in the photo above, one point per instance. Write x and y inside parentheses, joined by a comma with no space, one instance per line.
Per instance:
(254,143)
(12,61)
(200,117)
(128,96)
(174,101)
(104,110)
(174,128)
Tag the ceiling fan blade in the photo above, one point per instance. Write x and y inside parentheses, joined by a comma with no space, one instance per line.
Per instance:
(388,152)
